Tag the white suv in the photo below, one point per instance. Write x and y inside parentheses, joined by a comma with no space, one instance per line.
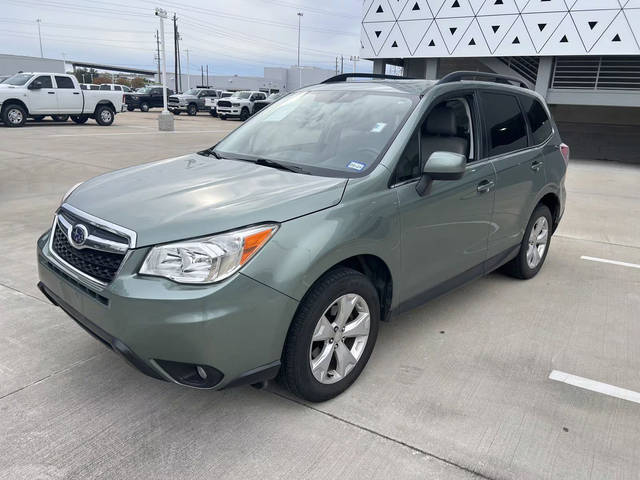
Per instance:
(239,105)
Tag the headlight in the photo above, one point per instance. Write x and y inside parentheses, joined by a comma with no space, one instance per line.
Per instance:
(235,104)
(69,192)
(208,259)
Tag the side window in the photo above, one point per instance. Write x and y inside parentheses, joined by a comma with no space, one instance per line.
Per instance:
(262,96)
(409,164)
(64,82)
(94,87)
(118,88)
(505,126)
(104,86)
(538,119)
(45,80)
(157,91)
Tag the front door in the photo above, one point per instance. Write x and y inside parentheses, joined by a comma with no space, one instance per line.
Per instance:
(43,100)
(70,99)
(444,232)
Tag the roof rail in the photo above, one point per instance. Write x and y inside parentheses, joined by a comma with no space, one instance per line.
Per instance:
(484,77)
(344,76)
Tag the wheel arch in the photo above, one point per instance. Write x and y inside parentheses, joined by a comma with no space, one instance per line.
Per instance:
(14,101)
(552,202)
(105,102)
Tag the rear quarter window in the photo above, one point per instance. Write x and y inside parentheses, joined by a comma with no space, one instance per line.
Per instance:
(539,121)
(64,82)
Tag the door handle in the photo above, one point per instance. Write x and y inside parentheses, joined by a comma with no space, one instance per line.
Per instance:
(76,93)
(51,93)
(535,166)
(485,186)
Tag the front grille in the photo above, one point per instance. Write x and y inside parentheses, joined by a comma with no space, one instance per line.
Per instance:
(224,103)
(173,100)
(95,263)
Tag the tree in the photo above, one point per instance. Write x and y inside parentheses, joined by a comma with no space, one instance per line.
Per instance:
(138,82)
(85,75)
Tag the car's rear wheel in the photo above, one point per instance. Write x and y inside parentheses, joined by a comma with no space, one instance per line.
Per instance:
(38,118)
(192,109)
(534,247)
(244,114)
(79,119)
(130,108)
(14,115)
(104,115)
(332,335)
(223,117)
(144,107)
(175,112)
(60,118)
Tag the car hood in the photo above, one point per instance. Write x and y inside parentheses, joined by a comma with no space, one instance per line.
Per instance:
(196,195)
(184,97)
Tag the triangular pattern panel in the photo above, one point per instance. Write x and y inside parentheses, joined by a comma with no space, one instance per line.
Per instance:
(380,11)
(432,44)
(452,30)
(542,25)
(397,6)
(566,36)
(581,5)
(536,6)
(495,28)
(395,46)
(473,43)
(456,9)
(416,10)
(516,42)
(413,31)
(499,7)
(592,24)
(618,36)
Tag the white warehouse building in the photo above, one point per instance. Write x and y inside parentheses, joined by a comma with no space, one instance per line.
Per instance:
(583,56)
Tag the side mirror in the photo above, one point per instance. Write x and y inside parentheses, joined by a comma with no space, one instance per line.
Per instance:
(441,166)
(37,85)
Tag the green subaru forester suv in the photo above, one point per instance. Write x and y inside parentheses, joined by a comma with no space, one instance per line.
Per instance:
(277,252)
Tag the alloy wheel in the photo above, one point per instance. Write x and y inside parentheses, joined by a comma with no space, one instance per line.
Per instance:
(339,338)
(15,116)
(538,239)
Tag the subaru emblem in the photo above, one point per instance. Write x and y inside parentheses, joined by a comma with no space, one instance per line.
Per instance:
(78,235)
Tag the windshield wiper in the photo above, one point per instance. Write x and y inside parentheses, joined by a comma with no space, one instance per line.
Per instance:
(273,164)
(211,152)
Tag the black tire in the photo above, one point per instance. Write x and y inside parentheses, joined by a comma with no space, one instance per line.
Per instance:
(192,109)
(104,115)
(38,118)
(59,118)
(296,371)
(79,119)
(130,108)
(223,117)
(144,107)
(244,114)
(175,112)
(213,112)
(519,267)
(14,115)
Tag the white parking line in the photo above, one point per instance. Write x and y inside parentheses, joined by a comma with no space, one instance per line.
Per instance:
(612,262)
(135,133)
(595,386)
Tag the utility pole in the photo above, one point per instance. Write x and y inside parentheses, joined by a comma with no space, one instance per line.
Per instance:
(341,63)
(354,59)
(336,65)
(158,49)
(207,84)
(38,21)
(188,70)
(175,51)
(165,120)
(300,15)
(201,75)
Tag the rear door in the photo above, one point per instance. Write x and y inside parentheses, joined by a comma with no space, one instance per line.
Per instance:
(519,168)
(156,99)
(43,100)
(70,99)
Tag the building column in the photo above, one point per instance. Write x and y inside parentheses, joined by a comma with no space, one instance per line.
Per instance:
(545,68)
(432,68)
(379,66)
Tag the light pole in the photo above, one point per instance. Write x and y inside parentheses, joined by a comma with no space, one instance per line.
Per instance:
(165,120)
(40,37)
(354,59)
(188,79)
(300,15)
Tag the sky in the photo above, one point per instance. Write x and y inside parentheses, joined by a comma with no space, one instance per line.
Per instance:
(231,36)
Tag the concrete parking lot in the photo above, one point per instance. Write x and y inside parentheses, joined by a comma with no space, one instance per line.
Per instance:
(458,388)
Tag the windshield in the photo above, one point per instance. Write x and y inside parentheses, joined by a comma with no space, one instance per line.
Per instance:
(225,94)
(241,95)
(143,90)
(323,131)
(193,92)
(18,79)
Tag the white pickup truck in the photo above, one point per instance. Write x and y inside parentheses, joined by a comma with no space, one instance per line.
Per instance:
(239,105)
(36,95)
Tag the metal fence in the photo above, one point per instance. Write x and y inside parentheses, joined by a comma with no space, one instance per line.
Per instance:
(525,66)
(597,73)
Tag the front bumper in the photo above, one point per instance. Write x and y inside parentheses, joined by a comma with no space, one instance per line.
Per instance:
(236,327)
(229,111)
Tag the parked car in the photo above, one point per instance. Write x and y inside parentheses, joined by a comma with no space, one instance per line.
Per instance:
(89,86)
(115,87)
(239,105)
(146,97)
(212,102)
(280,249)
(192,101)
(59,95)
(260,104)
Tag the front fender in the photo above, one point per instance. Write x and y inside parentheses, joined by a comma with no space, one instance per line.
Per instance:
(364,223)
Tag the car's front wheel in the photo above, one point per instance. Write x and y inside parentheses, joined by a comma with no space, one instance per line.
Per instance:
(192,109)
(244,114)
(534,247)
(104,115)
(14,116)
(332,335)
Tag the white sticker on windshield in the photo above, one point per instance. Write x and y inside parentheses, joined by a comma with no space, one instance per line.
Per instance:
(356,165)
(379,127)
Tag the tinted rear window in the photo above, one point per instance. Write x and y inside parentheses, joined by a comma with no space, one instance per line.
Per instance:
(64,82)
(538,119)
(505,126)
